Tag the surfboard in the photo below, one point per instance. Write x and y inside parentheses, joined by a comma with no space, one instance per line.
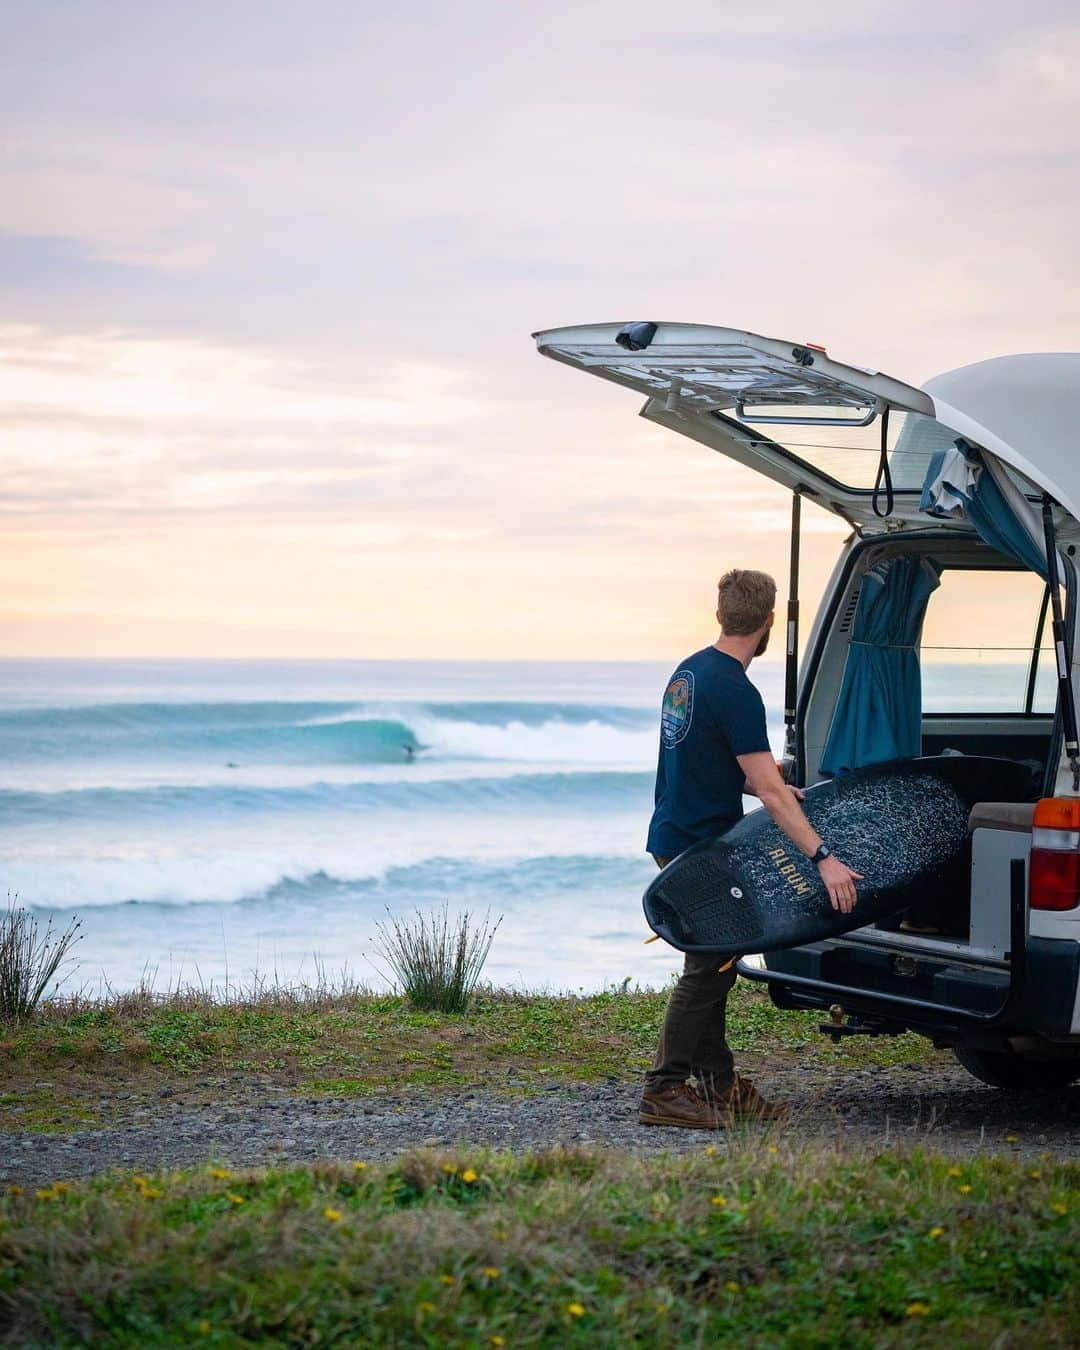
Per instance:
(903,825)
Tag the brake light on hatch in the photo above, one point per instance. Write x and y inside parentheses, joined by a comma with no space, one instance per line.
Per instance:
(1054,882)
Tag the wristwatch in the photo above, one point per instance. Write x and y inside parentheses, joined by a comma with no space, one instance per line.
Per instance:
(823,852)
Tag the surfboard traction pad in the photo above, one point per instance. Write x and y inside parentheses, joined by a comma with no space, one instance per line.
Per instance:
(901,826)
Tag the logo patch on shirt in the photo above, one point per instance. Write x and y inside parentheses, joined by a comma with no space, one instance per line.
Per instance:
(678,709)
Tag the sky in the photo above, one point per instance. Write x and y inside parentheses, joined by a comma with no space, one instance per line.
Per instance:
(268,274)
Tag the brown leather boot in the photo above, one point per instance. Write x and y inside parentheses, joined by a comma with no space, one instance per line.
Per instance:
(679,1106)
(742,1101)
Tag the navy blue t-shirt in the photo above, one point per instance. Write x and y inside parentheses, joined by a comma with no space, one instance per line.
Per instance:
(711,713)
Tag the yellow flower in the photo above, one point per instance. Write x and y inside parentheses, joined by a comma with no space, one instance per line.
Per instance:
(1035,1175)
(719,1200)
(661,1310)
(1012,1138)
(490,1272)
(47,1193)
(334,1215)
(425,1306)
(936,1232)
(449,1168)
(204,1328)
(733,1287)
(139,1181)
(965,1189)
(150,1193)
(220,1173)
(446,1279)
(772,1149)
(955,1172)
(500,1233)
(235,1199)
(468,1175)
(61,1187)
(710,1150)
(14,1190)
(1045,1156)
(359,1166)
(498,1340)
(1059,1208)
(916,1309)
(576,1309)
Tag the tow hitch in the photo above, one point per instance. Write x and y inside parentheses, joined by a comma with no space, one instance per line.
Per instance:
(836,1028)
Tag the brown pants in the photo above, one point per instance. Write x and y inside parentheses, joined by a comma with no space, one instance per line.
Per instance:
(693,1041)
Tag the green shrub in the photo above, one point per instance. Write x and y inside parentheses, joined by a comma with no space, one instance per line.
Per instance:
(29,960)
(436,960)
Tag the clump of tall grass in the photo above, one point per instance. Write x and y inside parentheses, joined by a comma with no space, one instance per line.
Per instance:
(29,960)
(437,960)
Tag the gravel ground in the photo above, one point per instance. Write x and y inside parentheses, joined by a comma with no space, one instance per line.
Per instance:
(937,1104)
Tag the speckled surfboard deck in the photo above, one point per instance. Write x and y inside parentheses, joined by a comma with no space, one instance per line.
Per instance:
(902,825)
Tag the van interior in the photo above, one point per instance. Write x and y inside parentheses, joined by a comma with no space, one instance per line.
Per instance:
(987,688)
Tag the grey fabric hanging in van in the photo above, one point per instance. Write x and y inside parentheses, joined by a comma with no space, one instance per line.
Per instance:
(878,714)
(963,483)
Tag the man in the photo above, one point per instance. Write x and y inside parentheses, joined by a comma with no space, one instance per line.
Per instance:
(713,748)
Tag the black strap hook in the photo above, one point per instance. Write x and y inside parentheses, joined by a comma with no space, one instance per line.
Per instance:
(884,472)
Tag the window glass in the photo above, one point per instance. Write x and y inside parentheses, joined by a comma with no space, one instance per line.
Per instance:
(977,643)
(850,455)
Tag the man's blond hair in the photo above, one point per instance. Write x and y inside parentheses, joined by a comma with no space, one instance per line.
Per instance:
(744,601)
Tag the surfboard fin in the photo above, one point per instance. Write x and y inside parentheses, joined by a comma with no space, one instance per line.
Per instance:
(655,938)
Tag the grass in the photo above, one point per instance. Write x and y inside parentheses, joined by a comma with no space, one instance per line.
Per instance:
(770,1245)
(80,1062)
(437,962)
(30,960)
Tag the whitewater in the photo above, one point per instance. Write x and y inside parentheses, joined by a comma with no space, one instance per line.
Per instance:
(230,819)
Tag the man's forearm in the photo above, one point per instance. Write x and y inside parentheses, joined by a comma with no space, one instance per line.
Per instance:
(788,814)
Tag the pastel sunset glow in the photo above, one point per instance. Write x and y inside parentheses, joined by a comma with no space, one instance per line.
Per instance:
(269,272)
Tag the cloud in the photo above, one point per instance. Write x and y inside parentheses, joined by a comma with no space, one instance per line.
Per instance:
(1048,58)
(116,423)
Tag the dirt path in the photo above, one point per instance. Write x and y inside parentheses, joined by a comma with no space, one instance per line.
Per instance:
(937,1104)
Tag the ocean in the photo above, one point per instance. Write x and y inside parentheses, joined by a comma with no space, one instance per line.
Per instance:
(227,820)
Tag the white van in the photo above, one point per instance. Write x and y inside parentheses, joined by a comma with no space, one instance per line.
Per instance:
(975,480)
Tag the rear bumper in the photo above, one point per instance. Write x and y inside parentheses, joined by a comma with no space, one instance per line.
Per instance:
(950,1001)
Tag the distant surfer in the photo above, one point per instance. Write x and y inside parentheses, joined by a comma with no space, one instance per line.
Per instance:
(713,748)
(409,750)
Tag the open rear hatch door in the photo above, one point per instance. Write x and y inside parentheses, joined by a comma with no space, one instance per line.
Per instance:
(786,409)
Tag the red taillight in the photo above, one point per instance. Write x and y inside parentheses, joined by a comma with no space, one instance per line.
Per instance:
(1055,879)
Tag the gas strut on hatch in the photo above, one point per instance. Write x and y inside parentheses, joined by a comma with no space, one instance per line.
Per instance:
(791,671)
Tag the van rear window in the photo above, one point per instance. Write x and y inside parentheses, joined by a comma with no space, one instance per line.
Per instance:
(978,646)
(848,455)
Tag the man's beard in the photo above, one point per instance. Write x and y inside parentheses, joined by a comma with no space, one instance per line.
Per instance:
(760,650)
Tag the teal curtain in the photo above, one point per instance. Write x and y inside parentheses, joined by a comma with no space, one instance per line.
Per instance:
(878,715)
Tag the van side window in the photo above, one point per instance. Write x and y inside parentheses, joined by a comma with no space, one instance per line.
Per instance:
(978,645)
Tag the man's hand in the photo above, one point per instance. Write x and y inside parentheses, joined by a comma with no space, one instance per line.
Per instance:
(796,792)
(840,880)
(782,803)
